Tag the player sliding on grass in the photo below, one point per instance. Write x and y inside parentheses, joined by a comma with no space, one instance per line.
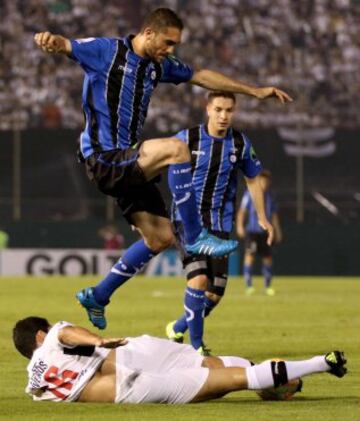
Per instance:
(218,153)
(69,363)
(120,76)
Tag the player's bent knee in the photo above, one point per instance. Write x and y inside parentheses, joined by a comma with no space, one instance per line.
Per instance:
(198,282)
(158,243)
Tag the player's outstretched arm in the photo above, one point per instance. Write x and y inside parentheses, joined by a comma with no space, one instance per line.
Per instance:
(257,196)
(76,335)
(51,43)
(210,79)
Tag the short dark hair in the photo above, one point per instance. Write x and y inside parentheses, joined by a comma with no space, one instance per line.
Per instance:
(162,18)
(24,334)
(222,94)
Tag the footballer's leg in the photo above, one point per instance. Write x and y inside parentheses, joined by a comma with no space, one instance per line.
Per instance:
(145,209)
(268,374)
(226,361)
(267,264)
(193,319)
(194,310)
(218,277)
(249,260)
(157,154)
(157,236)
(207,275)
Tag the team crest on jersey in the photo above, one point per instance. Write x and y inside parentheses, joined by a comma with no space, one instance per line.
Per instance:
(153,75)
(232,158)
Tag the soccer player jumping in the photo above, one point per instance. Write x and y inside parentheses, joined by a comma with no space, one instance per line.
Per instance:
(120,76)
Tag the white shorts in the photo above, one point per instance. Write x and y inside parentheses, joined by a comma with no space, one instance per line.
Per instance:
(154,370)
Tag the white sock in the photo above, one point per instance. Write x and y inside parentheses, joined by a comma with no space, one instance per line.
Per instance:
(260,376)
(235,362)
(270,373)
(297,369)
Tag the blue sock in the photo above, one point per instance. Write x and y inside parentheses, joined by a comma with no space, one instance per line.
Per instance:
(267,273)
(194,308)
(180,184)
(134,259)
(248,275)
(209,305)
(181,324)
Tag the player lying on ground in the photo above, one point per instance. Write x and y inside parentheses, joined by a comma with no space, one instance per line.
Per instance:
(120,76)
(69,363)
(219,153)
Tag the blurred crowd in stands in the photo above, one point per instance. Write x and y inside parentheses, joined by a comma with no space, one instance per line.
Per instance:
(310,48)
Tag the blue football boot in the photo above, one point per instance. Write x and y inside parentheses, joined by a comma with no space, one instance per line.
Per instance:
(210,245)
(95,311)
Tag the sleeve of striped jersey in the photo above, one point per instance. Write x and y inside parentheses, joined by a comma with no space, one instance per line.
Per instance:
(245,201)
(182,135)
(175,71)
(249,164)
(91,53)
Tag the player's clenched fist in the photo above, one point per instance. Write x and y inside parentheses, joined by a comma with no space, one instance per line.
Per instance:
(51,43)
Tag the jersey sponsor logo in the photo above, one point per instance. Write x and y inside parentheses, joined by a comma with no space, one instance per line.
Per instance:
(197,153)
(125,69)
(84,40)
(183,199)
(182,171)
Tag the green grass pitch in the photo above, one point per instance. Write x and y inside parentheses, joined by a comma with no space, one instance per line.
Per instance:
(308,316)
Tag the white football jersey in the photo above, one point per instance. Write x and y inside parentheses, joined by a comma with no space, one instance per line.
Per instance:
(58,372)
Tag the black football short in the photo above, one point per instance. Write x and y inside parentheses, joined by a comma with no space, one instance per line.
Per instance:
(215,269)
(255,244)
(118,174)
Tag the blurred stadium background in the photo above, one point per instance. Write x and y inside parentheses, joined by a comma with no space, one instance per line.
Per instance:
(310,48)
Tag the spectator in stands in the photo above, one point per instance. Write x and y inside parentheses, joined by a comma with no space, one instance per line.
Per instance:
(310,45)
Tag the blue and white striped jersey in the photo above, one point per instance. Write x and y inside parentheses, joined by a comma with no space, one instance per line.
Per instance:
(117,88)
(252,224)
(215,165)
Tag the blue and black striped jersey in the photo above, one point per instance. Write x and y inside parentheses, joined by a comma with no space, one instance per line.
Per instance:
(252,224)
(117,88)
(215,165)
